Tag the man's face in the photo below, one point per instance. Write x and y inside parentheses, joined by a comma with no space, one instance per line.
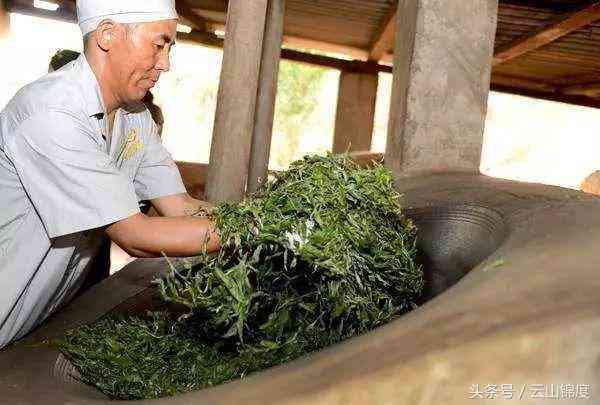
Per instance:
(139,57)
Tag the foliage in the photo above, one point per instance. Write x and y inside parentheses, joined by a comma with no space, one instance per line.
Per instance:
(322,248)
(322,253)
(144,358)
(299,87)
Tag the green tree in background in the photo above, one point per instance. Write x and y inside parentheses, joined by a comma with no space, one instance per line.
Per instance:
(297,98)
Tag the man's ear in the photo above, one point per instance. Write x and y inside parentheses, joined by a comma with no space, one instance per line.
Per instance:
(106,34)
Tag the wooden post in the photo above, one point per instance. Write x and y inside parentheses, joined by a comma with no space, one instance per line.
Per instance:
(442,63)
(355,112)
(4,19)
(267,94)
(236,104)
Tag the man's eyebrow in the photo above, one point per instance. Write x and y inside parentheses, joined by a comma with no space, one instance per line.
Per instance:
(167,39)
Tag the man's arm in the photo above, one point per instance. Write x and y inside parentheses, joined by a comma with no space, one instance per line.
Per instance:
(143,236)
(177,234)
(179,205)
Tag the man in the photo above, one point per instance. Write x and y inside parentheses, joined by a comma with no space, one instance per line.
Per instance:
(78,151)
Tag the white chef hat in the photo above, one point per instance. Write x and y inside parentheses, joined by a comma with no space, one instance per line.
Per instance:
(91,12)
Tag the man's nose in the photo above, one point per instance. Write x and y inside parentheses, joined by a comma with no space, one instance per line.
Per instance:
(164,62)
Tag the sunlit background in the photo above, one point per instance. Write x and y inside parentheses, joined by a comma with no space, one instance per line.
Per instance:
(525,139)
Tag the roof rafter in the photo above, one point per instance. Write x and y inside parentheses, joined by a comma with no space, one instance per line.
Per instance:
(522,83)
(588,90)
(549,33)
(543,95)
(384,40)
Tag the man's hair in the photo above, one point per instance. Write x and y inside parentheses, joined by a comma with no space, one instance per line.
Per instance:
(87,37)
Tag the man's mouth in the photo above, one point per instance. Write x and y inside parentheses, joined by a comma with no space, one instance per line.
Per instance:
(151,83)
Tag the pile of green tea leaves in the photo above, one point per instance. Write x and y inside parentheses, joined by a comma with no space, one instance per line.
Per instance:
(320,254)
(130,358)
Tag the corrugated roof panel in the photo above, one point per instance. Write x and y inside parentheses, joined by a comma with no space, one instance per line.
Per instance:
(344,22)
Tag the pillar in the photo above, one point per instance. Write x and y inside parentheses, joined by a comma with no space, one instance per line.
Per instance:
(237,100)
(267,94)
(355,115)
(442,64)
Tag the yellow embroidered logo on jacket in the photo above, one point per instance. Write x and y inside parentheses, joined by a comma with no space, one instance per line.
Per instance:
(133,144)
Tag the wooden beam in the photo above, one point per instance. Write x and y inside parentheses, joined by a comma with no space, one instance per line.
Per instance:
(355,115)
(548,5)
(201,38)
(213,10)
(542,95)
(4,19)
(194,178)
(236,101)
(212,5)
(548,33)
(216,16)
(267,93)
(366,159)
(565,81)
(387,59)
(351,52)
(583,94)
(525,84)
(334,63)
(588,90)
(356,66)
(384,40)
(186,12)
(62,14)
